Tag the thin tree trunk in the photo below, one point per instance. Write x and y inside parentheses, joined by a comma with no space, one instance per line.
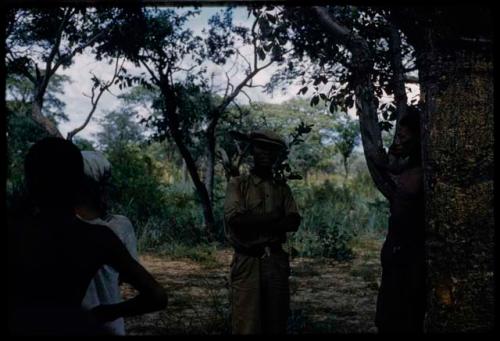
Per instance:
(458,137)
(173,125)
(210,171)
(185,172)
(206,203)
(346,169)
(398,78)
(398,86)
(42,120)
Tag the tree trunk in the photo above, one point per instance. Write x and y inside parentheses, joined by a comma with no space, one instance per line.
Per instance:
(398,78)
(185,173)
(38,117)
(457,146)
(209,174)
(204,198)
(346,169)
(173,126)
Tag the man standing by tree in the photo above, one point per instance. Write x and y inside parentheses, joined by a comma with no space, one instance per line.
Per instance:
(401,298)
(258,211)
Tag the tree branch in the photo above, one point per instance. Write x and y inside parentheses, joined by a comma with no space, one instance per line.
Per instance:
(338,31)
(366,104)
(95,100)
(244,93)
(398,82)
(254,43)
(244,58)
(153,75)
(240,86)
(12,62)
(79,49)
(55,48)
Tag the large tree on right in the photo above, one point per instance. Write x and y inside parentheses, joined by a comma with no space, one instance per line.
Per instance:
(452,51)
(455,60)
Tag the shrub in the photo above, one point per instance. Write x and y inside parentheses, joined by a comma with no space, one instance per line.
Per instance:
(333,215)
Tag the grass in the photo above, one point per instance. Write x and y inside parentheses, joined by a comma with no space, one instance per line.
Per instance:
(203,254)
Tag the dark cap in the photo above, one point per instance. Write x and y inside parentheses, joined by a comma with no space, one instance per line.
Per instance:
(267,136)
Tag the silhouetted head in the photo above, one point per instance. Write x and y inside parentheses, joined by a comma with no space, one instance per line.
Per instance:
(53,173)
(407,139)
(266,148)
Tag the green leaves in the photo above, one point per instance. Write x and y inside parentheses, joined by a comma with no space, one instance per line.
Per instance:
(320,79)
(349,102)
(283,170)
(385,125)
(261,53)
(332,107)
(302,91)
(314,100)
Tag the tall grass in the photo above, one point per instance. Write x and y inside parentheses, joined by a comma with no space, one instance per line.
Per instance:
(334,214)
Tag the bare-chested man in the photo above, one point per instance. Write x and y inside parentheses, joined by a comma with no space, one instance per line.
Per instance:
(401,298)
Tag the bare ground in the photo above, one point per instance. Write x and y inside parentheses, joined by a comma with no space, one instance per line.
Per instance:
(327,296)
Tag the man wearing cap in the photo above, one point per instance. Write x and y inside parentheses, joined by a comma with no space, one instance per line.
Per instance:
(92,208)
(258,212)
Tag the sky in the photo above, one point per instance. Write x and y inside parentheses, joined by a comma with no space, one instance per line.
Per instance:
(78,105)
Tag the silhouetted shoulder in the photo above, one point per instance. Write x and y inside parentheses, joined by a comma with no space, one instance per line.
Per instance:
(100,237)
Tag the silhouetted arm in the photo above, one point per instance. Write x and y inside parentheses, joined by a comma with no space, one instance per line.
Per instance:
(290,222)
(238,217)
(366,101)
(261,222)
(151,297)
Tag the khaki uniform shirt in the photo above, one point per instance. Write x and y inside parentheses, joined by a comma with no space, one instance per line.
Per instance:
(250,193)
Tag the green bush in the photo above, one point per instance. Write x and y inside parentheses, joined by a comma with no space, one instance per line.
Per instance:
(333,215)
(135,188)
(169,220)
(323,231)
(179,221)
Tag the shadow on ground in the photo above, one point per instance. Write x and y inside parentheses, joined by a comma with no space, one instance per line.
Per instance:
(327,296)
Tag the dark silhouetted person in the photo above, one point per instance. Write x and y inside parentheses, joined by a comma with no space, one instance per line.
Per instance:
(57,255)
(258,212)
(92,207)
(401,298)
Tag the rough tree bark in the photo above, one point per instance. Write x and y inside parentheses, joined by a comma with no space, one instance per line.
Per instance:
(458,138)
(456,78)
(209,175)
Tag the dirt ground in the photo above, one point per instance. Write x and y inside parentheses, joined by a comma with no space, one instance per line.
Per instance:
(326,296)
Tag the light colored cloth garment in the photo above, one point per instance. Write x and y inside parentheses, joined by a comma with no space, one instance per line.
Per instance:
(252,194)
(105,288)
(260,294)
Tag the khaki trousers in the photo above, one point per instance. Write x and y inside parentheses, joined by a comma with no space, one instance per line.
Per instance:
(260,294)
